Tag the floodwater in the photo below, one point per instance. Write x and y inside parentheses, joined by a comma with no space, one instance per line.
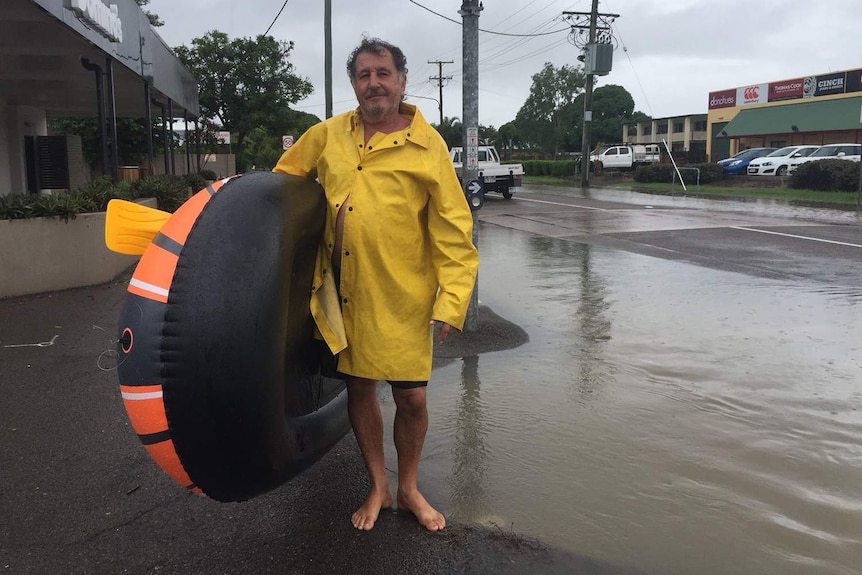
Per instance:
(663,417)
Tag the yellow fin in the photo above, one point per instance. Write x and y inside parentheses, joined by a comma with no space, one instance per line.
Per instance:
(130,227)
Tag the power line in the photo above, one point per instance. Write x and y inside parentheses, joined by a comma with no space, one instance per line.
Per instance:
(632,64)
(490,31)
(276,17)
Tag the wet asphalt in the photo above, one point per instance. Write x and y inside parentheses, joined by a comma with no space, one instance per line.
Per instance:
(79,494)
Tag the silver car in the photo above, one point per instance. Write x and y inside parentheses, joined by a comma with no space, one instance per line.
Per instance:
(828,152)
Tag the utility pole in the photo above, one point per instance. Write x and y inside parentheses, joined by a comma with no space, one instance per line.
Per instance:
(327,35)
(470,10)
(598,24)
(440,78)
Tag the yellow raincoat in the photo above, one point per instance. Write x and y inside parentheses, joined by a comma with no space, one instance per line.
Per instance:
(407,251)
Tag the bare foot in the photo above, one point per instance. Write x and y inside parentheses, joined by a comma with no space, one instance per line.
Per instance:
(416,504)
(366,515)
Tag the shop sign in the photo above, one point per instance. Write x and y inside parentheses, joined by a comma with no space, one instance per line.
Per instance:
(105,20)
(722,99)
(752,94)
(853,83)
(823,85)
(786,90)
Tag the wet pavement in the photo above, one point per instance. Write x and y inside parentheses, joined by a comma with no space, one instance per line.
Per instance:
(653,389)
(80,495)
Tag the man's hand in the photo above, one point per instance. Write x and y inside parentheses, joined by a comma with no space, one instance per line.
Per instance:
(445,330)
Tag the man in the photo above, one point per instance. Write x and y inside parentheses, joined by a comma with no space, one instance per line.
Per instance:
(396,256)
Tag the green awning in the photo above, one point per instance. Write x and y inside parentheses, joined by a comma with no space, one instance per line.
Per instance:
(807,116)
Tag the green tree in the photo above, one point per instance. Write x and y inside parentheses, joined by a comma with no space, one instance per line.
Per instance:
(131,138)
(612,105)
(488,135)
(541,120)
(244,83)
(154,18)
(508,139)
(450,130)
(264,148)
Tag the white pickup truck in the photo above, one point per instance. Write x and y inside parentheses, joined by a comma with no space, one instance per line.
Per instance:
(497,177)
(625,156)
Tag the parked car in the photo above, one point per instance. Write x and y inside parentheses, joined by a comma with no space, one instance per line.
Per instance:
(828,152)
(775,163)
(738,163)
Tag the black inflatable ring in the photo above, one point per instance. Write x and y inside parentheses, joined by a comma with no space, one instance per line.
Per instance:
(223,383)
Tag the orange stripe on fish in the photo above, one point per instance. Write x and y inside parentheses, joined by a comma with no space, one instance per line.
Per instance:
(166,456)
(180,224)
(146,408)
(154,274)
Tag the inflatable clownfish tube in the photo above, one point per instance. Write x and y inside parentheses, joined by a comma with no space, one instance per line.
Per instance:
(219,371)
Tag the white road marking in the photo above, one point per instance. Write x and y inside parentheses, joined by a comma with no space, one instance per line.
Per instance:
(797,237)
(561,204)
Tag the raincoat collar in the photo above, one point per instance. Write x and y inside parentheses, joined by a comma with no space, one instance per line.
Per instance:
(417,132)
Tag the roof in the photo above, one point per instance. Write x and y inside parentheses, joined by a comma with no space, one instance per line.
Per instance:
(43,46)
(809,116)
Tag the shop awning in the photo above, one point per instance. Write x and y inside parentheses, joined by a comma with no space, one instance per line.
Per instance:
(806,116)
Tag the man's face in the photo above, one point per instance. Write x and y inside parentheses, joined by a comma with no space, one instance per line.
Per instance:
(377,85)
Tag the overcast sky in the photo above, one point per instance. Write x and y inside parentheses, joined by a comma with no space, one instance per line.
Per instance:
(669,53)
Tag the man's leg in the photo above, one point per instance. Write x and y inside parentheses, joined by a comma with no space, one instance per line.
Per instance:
(411,423)
(367,422)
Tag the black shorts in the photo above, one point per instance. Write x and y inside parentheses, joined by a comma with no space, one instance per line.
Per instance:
(328,364)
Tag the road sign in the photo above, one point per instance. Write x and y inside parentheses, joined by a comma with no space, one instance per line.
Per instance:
(475,194)
(286,142)
(472,136)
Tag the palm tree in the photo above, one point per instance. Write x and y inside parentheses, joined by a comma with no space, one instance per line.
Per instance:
(450,130)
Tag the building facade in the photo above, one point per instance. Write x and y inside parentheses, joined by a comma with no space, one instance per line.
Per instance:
(80,58)
(685,136)
(820,109)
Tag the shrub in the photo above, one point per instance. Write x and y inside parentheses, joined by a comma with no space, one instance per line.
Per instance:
(664,173)
(196,182)
(826,175)
(708,172)
(91,197)
(654,173)
(208,174)
(554,168)
(170,191)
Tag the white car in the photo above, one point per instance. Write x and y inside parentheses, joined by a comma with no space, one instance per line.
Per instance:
(828,152)
(775,163)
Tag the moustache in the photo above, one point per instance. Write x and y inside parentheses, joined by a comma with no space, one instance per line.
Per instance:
(375,92)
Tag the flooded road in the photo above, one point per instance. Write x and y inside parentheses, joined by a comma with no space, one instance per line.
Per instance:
(666,415)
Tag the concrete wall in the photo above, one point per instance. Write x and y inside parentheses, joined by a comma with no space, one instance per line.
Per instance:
(47,254)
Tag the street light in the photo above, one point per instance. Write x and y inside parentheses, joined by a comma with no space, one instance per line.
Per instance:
(439,105)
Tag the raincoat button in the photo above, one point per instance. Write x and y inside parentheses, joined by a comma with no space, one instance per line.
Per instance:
(344,300)
(350,209)
(408,134)
(336,205)
(347,253)
(370,147)
(358,168)
(395,142)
